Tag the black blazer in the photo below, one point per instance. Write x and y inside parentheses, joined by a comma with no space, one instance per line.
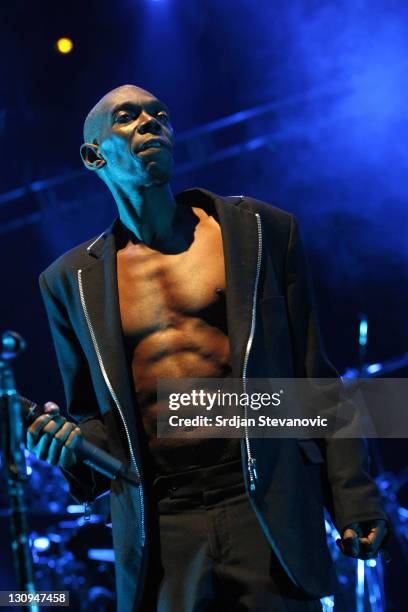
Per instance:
(270,312)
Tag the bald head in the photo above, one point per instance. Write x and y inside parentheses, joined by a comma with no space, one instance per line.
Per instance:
(95,120)
(117,133)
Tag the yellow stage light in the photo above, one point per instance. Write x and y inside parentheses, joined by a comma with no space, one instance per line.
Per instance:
(64,45)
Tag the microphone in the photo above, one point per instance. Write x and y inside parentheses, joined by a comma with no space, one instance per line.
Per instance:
(90,454)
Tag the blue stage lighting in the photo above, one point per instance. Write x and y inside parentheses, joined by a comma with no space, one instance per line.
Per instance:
(75,509)
(327,603)
(362,340)
(360,585)
(373,368)
(41,544)
(350,373)
(101,554)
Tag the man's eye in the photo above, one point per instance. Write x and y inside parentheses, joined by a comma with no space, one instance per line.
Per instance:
(123,118)
(162,116)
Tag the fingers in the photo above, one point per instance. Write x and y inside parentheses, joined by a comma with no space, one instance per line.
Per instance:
(67,458)
(351,533)
(50,410)
(59,438)
(48,433)
(52,438)
(370,544)
(349,544)
(377,533)
(35,429)
(40,432)
(355,543)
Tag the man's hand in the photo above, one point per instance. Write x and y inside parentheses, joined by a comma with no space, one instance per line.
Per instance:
(363,540)
(52,438)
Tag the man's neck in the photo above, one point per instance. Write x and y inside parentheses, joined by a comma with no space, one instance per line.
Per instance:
(153,217)
(147,212)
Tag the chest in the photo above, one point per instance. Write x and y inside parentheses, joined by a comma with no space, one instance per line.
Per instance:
(156,289)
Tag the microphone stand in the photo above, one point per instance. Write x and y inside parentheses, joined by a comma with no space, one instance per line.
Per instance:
(12,445)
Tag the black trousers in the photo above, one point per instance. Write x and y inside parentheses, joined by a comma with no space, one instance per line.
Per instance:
(208,551)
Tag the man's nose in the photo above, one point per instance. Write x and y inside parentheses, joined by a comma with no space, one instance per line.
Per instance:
(149,125)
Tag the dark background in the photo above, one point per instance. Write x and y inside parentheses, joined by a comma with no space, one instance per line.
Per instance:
(323,133)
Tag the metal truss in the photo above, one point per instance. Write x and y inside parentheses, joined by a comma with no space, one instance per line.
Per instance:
(265,125)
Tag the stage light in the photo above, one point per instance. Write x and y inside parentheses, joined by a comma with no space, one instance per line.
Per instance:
(64,45)
(75,509)
(101,554)
(327,603)
(363,331)
(41,544)
(360,584)
(374,368)
(350,373)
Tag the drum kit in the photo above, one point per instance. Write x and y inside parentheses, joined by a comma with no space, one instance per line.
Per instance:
(71,551)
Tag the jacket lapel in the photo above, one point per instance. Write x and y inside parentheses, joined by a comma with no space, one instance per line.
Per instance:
(100,290)
(240,241)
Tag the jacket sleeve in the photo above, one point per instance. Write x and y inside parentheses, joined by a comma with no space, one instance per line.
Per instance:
(85,483)
(351,494)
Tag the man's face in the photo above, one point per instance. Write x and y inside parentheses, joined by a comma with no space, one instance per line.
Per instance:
(135,138)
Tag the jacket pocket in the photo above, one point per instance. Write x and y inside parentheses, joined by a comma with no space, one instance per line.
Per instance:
(310,450)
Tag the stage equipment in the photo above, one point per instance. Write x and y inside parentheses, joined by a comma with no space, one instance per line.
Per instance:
(368,577)
(76,555)
(12,446)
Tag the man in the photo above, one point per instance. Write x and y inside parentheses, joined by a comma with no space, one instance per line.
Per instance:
(195,285)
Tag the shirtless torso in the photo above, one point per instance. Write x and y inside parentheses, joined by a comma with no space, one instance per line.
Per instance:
(174,323)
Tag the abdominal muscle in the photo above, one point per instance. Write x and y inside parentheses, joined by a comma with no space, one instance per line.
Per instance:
(190,350)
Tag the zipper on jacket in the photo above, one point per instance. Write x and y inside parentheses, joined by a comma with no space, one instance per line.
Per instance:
(253,476)
(115,399)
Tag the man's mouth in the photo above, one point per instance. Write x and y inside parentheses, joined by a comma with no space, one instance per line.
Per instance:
(153,143)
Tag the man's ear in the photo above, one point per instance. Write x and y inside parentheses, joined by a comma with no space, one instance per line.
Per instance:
(91,156)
